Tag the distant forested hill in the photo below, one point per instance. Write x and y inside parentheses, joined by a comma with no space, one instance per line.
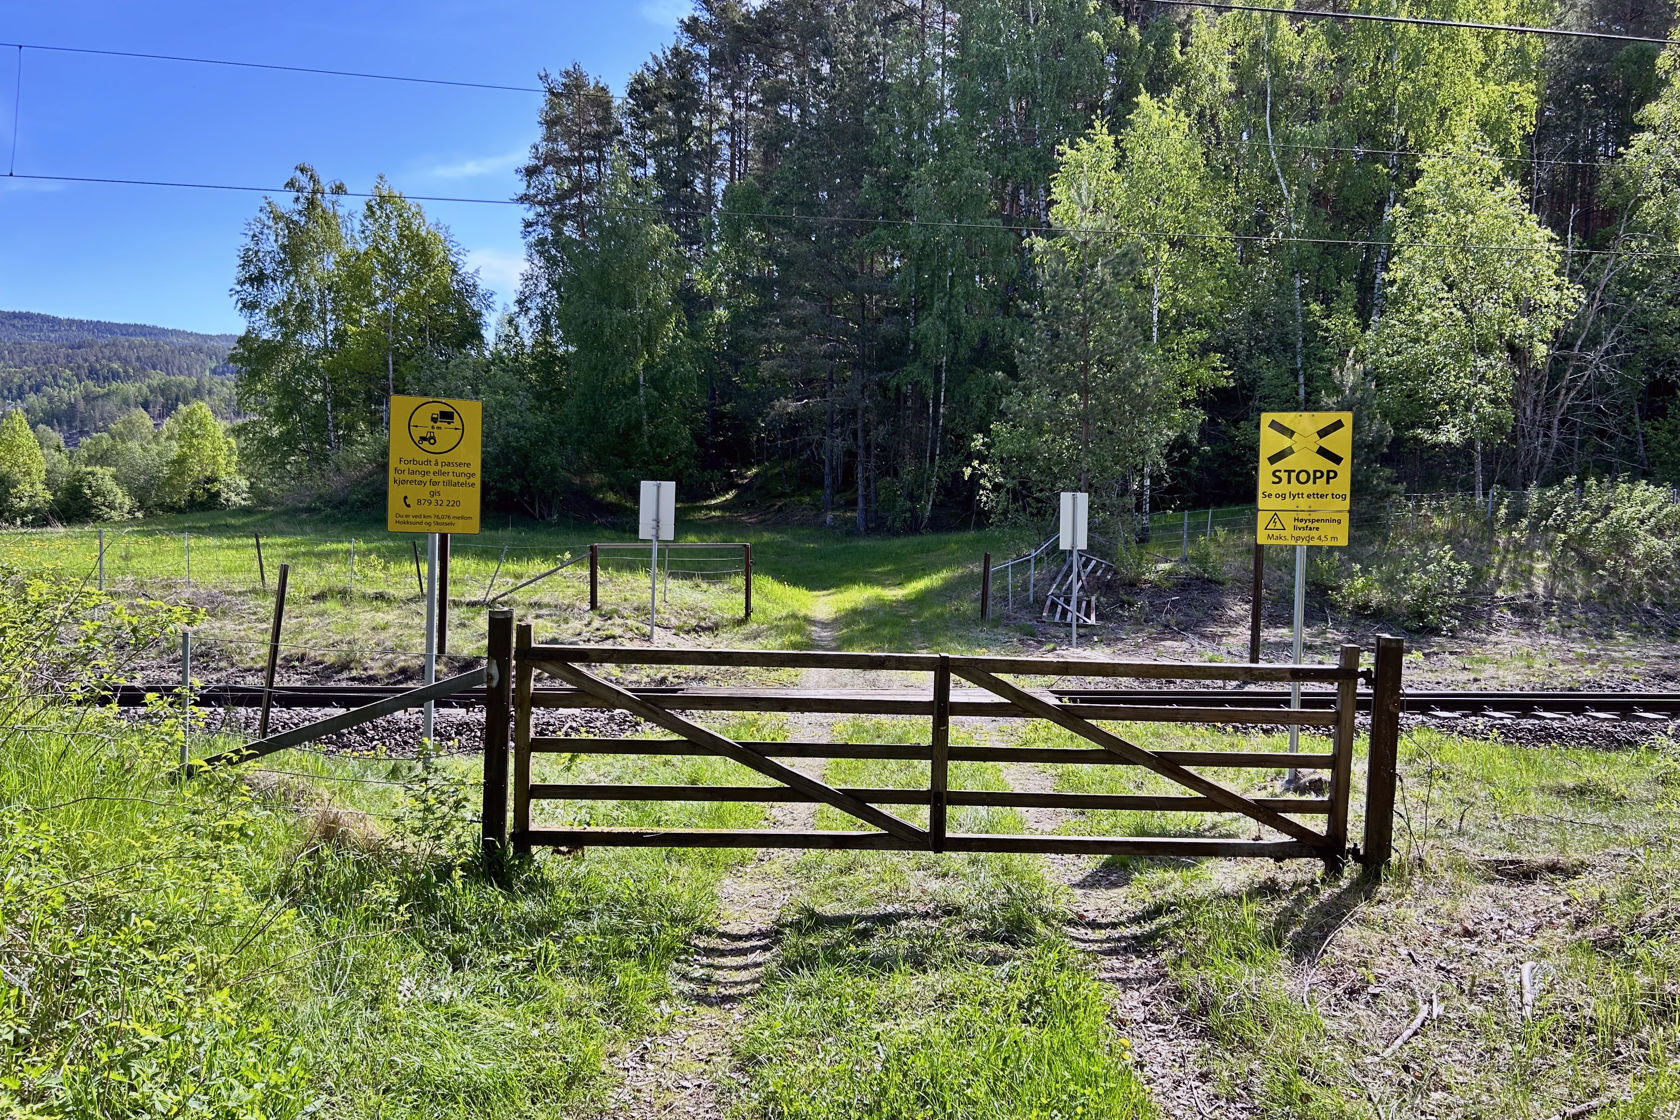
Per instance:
(78,375)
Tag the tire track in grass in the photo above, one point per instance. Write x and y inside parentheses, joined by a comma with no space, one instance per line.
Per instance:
(1110,926)
(687,1071)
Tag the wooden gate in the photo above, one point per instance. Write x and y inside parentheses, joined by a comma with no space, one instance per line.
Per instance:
(981,690)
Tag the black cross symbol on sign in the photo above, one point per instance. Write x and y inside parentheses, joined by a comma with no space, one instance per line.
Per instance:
(1292,436)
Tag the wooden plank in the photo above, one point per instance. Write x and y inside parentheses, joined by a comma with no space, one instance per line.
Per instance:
(1058,714)
(979,798)
(751,658)
(355,717)
(921,752)
(1144,670)
(911,702)
(1144,847)
(939,756)
(619,698)
(498,713)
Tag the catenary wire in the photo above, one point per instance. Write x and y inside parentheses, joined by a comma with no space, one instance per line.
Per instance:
(17,106)
(885,223)
(276,66)
(1418,21)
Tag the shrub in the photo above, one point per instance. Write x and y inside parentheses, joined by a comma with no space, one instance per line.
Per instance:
(1426,589)
(94,494)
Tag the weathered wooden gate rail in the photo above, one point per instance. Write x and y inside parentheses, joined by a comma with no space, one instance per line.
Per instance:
(988,694)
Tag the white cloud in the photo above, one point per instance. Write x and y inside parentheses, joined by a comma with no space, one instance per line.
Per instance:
(500,270)
(478,166)
(666,13)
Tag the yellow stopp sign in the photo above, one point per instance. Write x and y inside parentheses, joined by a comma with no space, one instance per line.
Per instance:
(436,455)
(1306,478)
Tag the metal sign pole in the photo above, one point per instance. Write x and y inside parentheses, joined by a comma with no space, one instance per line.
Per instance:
(653,568)
(1300,618)
(1076,598)
(431,630)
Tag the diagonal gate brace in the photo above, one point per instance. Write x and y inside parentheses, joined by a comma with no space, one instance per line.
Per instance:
(618,698)
(1058,713)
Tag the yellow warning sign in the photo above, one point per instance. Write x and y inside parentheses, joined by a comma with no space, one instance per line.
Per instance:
(436,451)
(1306,460)
(1308,527)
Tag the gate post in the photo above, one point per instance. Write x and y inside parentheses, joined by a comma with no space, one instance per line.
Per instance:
(941,744)
(1341,773)
(522,741)
(1383,768)
(498,698)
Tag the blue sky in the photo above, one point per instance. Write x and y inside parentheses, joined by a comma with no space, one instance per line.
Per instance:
(165,256)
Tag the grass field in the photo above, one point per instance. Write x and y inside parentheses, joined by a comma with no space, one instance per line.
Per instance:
(312,935)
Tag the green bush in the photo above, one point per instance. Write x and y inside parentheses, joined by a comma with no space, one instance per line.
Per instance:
(1430,589)
(93,494)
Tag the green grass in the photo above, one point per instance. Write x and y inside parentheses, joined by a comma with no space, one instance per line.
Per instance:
(916,985)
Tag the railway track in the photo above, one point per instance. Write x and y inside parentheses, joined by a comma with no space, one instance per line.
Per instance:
(1430,704)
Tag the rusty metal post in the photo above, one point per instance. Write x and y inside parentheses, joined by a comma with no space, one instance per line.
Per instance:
(986,587)
(746,563)
(498,711)
(1254,605)
(1382,773)
(273,648)
(594,577)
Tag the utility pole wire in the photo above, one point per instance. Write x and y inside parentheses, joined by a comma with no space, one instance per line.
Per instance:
(1262,240)
(1418,21)
(275,66)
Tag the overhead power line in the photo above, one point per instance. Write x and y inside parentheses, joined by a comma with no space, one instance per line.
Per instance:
(1418,21)
(276,66)
(875,223)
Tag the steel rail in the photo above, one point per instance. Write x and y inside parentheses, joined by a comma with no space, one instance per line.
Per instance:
(1444,704)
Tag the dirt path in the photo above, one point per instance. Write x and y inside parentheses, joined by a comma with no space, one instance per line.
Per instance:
(1104,922)
(686,1071)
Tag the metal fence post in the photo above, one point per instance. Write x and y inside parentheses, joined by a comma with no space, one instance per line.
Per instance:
(498,710)
(101,559)
(594,577)
(985,587)
(262,573)
(352,567)
(1184,540)
(273,649)
(186,551)
(1382,771)
(746,563)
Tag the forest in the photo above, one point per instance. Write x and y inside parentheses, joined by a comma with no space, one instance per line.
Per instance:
(904,260)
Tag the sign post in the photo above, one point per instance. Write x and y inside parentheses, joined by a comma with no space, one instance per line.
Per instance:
(435,453)
(657,522)
(1076,507)
(1306,491)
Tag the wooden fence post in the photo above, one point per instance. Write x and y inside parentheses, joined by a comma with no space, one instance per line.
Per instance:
(985,587)
(746,563)
(1341,774)
(273,648)
(498,705)
(594,577)
(941,743)
(522,740)
(1383,768)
